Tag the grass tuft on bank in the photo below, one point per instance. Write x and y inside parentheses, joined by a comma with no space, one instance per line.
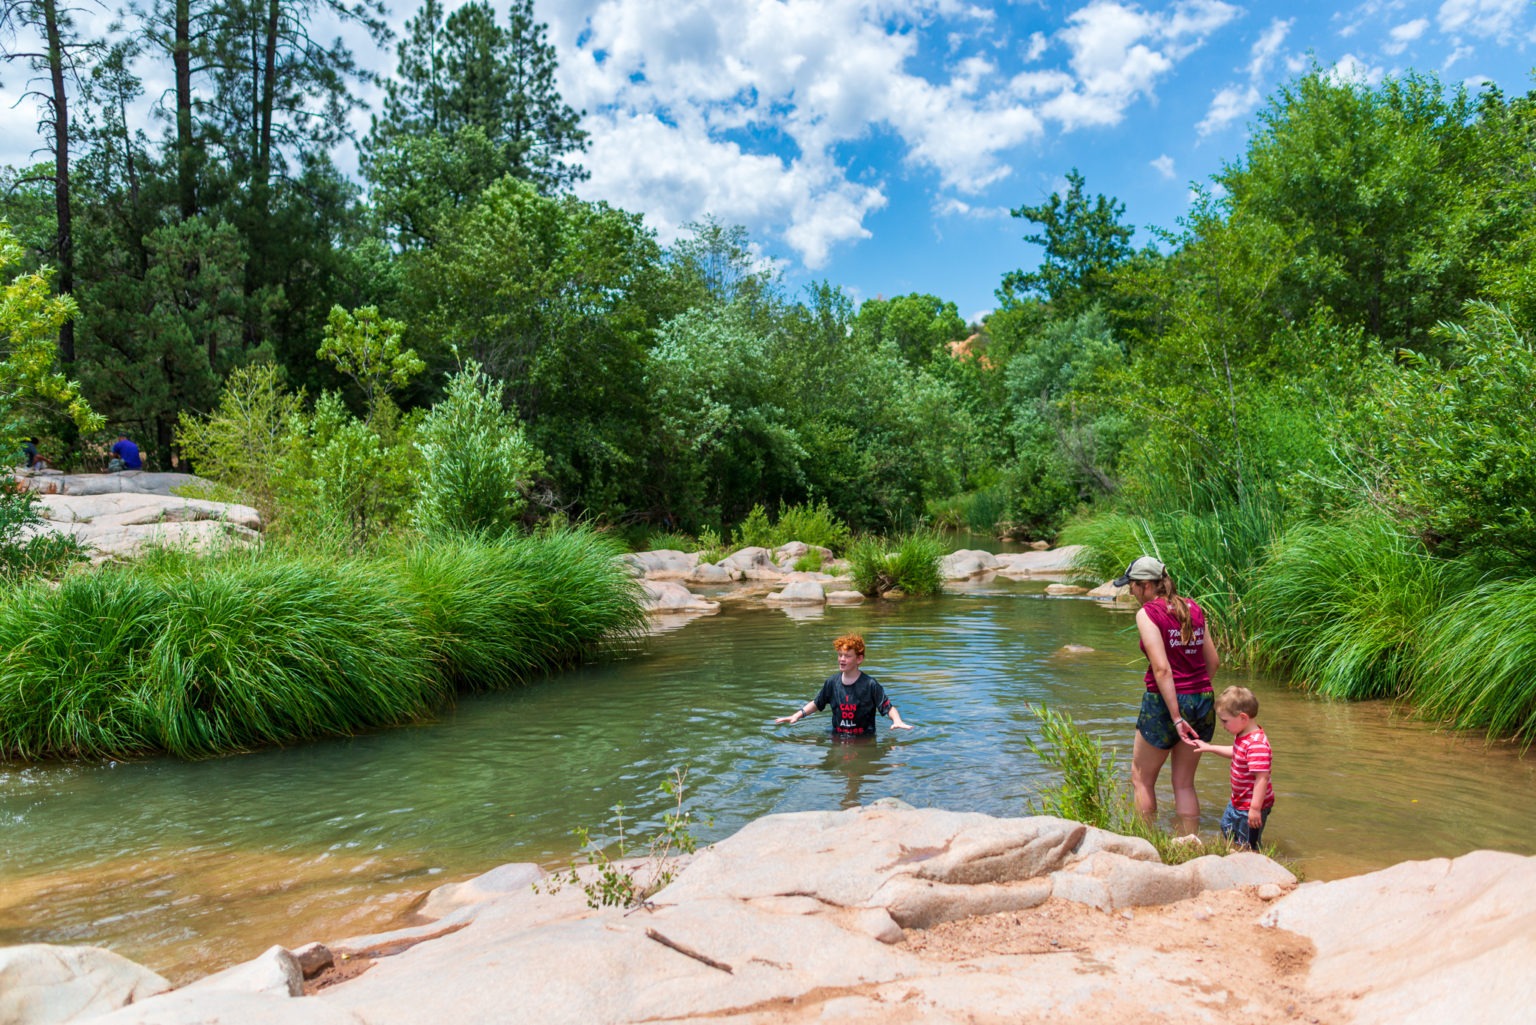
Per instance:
(196,657)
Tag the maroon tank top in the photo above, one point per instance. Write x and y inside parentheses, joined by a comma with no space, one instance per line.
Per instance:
(1190,676)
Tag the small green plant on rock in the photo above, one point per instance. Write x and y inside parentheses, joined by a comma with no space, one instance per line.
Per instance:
(639,870)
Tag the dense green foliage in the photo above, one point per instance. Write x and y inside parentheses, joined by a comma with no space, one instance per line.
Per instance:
(910,564)
(1326,363)
(198,656)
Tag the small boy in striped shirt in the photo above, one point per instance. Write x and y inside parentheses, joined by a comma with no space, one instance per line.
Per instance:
(1252,794)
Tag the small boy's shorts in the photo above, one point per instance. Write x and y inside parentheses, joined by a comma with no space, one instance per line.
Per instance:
(1234,826)
(1199,710)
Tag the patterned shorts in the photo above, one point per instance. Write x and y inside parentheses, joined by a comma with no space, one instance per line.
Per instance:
(1199,710)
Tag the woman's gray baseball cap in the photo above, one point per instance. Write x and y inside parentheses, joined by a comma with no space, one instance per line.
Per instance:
(1144,568)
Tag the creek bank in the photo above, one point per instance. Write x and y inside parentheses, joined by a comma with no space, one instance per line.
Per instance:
(888,913)
(667,574)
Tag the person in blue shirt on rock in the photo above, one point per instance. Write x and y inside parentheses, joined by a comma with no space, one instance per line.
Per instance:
(125,456)
(854,695)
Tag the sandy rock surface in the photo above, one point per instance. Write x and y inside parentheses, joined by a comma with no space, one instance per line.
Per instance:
(121,514)
(41,984)
(663,596)
(1054,562)
(890,914)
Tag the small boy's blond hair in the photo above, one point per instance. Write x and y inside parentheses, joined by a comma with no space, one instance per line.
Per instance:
(1237,701)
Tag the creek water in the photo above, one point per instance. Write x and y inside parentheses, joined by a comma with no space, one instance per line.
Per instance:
(187,867)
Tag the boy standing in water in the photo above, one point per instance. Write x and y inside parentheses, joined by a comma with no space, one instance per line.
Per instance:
(1252,794)
(855,695)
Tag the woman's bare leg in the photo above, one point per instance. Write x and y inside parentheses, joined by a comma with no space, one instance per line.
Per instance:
(1186,803)
(1146,762)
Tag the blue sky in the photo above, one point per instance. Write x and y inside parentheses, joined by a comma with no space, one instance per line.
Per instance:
(880,144)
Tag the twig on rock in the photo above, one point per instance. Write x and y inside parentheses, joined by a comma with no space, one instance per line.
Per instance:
(688,951)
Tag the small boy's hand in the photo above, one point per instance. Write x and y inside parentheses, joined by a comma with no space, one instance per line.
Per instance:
(1255,818)
(1198,744)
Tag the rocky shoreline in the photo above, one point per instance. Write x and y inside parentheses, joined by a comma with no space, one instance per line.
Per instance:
(880,913)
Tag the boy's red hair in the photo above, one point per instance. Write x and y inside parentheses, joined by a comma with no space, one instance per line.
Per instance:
(850,642)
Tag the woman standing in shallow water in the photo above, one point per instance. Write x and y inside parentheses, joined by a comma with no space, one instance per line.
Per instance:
(1178,704)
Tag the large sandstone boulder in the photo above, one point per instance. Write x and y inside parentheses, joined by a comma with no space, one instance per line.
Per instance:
(1056,562)
(967,563)
(791,905)
(664,596)
(714,573)
(1424,941)
(135,482)
(124,523)
(42,984)
(664,563)
(799,592)
(754,564)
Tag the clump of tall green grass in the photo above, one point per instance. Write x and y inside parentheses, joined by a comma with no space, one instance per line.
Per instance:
(1213,555)
(1475,664)
(1094,790)
(200,656)
(1341,605)
(501,610)
(812,523)
(912,563)
(979,511)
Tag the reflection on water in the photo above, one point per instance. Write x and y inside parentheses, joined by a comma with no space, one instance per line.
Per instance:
(188,866)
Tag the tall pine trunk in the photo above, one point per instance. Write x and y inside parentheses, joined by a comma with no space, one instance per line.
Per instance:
(65,239)
(186,153)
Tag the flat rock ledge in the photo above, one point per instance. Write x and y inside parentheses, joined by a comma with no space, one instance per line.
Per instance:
(119,515)
(851,916)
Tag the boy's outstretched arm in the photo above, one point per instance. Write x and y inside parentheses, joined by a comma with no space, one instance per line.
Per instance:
(896,723)
(1215,749)
(800,713)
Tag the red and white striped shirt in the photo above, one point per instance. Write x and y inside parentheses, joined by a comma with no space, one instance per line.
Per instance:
(1250,754)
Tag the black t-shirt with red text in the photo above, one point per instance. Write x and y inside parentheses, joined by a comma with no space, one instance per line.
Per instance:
(853,708)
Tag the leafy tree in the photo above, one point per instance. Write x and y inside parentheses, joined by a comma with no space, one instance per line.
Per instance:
(552,295)
(245,440)
(31,316)
(920,326)
(60,58)
(366,347)
(472,102)
(1083,244)
(1457,446)
(1384,196)
(477,465)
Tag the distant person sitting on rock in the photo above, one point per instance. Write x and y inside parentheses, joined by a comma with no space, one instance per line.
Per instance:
(1252,794)
(855,695)
(29,453)
(125,456)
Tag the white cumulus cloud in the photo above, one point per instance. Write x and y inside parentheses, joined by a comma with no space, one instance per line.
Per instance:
(1164,166)
(1402,35)
(1491,18)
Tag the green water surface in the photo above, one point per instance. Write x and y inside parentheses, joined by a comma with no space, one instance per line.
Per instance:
(189,866)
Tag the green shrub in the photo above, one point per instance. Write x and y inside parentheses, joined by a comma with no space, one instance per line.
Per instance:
(205,655)
(1475,660)
(813,524)
(477,464)
(675,541)
(756,531)
(912,563)
(810,562)
(24,554)
(1342,604)
(500,611)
